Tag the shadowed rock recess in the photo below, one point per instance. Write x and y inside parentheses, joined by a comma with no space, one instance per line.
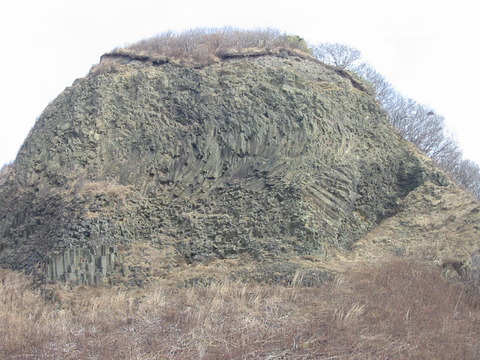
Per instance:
(260,159)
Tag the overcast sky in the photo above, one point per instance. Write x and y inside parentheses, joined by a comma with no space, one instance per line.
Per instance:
(427,49)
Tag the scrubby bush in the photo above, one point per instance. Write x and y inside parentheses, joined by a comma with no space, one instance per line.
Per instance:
(339,55)
(203,46)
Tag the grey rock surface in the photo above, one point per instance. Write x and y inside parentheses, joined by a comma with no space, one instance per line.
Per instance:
(264,157)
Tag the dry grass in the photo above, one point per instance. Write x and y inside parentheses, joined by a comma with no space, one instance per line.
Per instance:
(108,188)
(204,46)
(396,310)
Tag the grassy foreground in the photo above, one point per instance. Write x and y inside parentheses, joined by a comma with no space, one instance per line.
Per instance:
(398,309)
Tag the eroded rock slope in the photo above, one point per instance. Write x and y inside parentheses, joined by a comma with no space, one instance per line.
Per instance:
(261,158)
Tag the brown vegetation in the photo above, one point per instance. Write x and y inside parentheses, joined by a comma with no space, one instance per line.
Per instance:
(397,310)
(111,189)
(205,46)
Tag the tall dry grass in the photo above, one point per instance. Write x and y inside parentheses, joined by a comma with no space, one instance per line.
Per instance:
(203,46)
(396,310)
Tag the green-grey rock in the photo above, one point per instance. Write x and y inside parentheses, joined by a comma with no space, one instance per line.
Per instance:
(264,157)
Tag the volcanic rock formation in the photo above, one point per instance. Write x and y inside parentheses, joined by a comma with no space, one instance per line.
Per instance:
(260,159)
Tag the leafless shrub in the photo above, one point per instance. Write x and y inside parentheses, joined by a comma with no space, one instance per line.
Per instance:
(424,128)
(203,46)
(467,173)
(382,89)
(417,124)
(339,55)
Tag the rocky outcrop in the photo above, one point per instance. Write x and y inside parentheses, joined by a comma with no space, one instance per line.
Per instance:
(81,265)
(260,158)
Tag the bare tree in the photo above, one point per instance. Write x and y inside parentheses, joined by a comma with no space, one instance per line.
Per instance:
(336,54)
(423,127)
(384,91)
(416,123)
(467,173)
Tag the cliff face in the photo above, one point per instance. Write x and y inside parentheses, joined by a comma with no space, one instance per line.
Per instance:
(259,158)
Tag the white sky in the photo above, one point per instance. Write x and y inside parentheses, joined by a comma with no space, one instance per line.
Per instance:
(427,49)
